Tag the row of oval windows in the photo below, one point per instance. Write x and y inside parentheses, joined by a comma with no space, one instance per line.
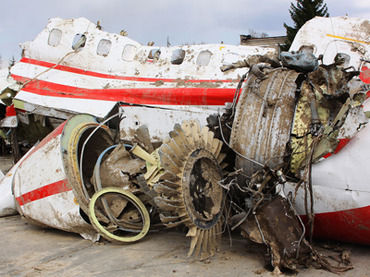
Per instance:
(129,50)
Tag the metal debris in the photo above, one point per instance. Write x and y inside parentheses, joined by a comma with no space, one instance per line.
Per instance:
(284,121)
(94,178)
(303,60)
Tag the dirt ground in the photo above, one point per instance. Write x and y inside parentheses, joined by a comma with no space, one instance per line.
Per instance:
(28,250)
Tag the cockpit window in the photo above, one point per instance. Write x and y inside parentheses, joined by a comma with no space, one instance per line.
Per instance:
(55,36)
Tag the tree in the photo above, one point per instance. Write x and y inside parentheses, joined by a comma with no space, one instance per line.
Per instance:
(303,11)
(255,34)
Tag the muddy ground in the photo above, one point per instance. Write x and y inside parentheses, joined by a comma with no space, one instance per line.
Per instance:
(28,250)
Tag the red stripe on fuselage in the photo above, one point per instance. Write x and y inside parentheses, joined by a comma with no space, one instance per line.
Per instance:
(349,225)
(151,96)
(115,77)
(45,191)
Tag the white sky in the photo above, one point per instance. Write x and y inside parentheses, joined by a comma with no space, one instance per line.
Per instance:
(183,21)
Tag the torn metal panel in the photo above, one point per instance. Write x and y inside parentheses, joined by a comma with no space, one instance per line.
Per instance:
(329,36)
(340,186)
(275,224)
(160,119)
(47,197)
(323,105)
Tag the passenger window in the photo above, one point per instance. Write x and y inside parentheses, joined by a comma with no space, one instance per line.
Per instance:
(178,56)
(54,37)
(104,47)
(154,54)
(78,41)
(204,58)
(129,52)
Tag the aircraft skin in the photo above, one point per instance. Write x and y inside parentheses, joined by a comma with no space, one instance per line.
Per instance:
(61,81)
(341,181)
(111,68)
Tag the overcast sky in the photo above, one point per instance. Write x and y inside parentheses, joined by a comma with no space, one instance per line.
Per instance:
(183,21)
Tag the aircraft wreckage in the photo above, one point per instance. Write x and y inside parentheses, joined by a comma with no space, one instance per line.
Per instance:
(289,152)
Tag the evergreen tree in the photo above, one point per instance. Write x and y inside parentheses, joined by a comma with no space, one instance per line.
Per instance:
(303,11)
